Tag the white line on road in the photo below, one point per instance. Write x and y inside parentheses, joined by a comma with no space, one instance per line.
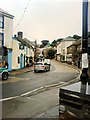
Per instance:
(10,98)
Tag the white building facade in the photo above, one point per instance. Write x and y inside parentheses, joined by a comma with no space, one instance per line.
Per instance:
(6,33)
(62,48)
(21,55)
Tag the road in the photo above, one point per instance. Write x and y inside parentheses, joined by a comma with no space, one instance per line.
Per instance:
(23,83)
(32,106)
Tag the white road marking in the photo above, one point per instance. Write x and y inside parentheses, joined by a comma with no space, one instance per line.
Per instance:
(10,98)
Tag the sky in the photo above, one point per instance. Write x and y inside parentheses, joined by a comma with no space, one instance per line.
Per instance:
(45,19)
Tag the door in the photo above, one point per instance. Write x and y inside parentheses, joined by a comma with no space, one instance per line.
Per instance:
(21,61)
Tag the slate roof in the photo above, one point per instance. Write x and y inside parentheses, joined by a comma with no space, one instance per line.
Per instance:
(69,39)
(4,13)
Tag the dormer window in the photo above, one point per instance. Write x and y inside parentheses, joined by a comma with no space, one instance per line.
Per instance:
(21,46)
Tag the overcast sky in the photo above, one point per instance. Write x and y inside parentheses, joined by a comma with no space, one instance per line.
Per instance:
(45,19)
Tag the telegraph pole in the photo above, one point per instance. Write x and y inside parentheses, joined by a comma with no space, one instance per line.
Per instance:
(84,75)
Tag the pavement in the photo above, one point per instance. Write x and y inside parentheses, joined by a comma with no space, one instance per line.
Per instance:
(21,71)
(53,112)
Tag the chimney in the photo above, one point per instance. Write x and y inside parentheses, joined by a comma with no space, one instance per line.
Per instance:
(15,36)
(20,35)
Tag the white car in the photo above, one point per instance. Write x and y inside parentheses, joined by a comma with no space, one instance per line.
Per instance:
(41,66)
(48,61)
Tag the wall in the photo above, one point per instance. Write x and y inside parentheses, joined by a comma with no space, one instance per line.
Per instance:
(22,54)
(62,49)
(15,54)
(8,32)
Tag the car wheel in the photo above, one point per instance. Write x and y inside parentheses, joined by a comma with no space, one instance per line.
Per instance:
(35,71)
(45,69)
(4,76)
(49,69)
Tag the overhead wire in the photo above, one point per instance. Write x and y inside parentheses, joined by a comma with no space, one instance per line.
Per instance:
(22,15)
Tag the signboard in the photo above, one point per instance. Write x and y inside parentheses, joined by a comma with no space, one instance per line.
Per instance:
(85,42)
(84,60)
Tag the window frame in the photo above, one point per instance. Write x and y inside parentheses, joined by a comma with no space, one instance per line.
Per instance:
(1,21)
(2,39)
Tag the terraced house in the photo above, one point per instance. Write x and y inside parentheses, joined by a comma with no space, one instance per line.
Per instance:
(23,52)
(62,48)
(6,33)
(19,52)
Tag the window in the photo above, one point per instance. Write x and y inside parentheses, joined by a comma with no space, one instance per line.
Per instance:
(26,50)
(18,60)
(1,22)
(1,39)
(26,59)
(21,46)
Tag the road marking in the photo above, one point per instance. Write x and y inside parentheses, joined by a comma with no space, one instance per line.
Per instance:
(32,91)
(10,98)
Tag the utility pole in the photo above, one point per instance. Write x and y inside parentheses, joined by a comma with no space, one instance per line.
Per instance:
(84,75)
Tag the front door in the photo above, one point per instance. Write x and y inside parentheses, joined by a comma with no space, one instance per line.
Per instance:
(21,61)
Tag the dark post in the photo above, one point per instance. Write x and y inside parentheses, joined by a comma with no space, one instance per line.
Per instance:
(35,49)
(84,75)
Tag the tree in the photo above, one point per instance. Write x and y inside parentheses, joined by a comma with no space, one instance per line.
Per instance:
(44,43)
(51,53)
(54,43)
(76,37)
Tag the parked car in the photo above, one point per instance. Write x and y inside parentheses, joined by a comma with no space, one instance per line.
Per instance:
(4,73)
(41,66)
(48,61)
